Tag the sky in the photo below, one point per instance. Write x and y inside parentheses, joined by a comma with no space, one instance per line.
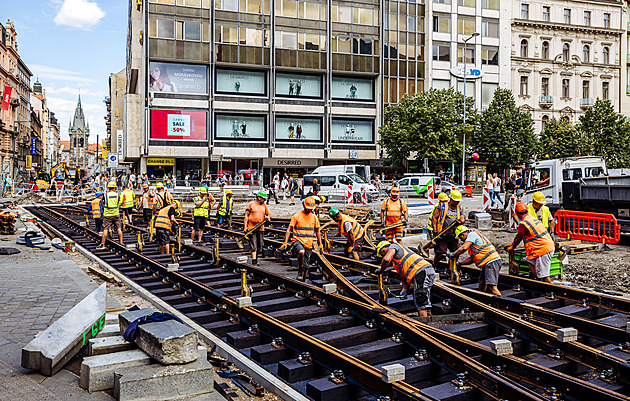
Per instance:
(71,46)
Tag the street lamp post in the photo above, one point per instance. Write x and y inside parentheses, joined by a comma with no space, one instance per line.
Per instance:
(474,35)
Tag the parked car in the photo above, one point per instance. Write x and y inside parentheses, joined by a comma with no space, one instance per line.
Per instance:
(416,185)
(448,186)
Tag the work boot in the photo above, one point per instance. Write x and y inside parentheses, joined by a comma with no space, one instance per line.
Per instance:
(301,276)
(100,246)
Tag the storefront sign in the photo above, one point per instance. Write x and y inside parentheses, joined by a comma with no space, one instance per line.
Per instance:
(156,161)
(471,73)
(33,146)
(178,125)
(241,82)
(296,85)
(298,129)
(290,163)
(178,78)
(352,131)
(6,97)
(240,127)
(112,160)
(352,88)
(119,147)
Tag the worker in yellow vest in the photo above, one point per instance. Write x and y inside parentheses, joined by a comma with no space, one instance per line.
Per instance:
(412,268)
(444,216)
(203,205)
(162,198)
(146,203)
(442,198)
(224,212)
(96,207)
(538,210)
(128,202)
(164,224)
(351,229)
(111,213)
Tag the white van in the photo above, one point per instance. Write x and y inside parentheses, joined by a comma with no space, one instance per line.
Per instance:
(416,185)
(363,171)
(337,186)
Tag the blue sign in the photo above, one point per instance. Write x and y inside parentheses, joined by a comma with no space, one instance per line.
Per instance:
(33,146)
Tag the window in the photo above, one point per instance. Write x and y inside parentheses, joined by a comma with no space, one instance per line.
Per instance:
(565,88)
(606,20)
(524,48)
(524,11)
(442,23)
(490,4)
(466,3)
(470,88)
(287,40)
(605,87)
(308,10)
(440,84)
(465,26)
(411,23)
(342,14)
(587,18)
(489,56)
(540,178)
(490,28)
(567,16)
(487,93)
(363,16)
(606,55)
(523,86)
(545,50)
(251,37)
(188,30)
(586,52)
(586,89)
(545,120)
(442,1)
(565,52)
(441,52)
(470,54)
(544,87)
(166,29)
(546,12)
(571,174)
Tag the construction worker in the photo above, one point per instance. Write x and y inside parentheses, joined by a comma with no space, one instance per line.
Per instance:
(444,216)
(412,268)
(128,202)
(111,213)
(146,202)
(538,209)
(203,205)
(161,197)
(483,254)
(224,212)
(394,210)
(164,224)
(304,226)
(96,207)
(255,213)
(351,229)
(442,198)
(539,246)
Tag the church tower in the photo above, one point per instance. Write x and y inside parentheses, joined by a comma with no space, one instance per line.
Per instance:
(79,131)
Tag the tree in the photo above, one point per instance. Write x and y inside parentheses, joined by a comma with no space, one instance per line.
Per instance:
(428,124)
(507,134)
(561,139)
(608,133)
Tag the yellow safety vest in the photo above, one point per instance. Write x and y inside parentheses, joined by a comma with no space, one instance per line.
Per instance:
(201,211)
(129,198)
(545,214)
(111,204)
(226,206)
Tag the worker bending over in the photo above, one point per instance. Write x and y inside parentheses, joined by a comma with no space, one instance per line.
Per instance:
(96,207)
(111,213)
(538,210)
(203,205)
(255,213)
(351,229)
(444,216)
(165,223)
(394,210)
(304,227)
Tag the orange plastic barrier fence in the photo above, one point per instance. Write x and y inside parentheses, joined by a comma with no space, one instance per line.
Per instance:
(596,227)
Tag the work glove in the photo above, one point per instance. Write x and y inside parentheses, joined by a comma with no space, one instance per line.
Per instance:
(450,255)
(508,247)
(377,271)
(284,246)
(403,294)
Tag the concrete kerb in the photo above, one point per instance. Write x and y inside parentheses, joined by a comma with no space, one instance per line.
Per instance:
(263,377)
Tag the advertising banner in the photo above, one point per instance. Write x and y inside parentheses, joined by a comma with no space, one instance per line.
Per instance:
(352,131)
(297,129)
(178,78)
(240,127)
(33,146)
(178,125)
(6,97)
(241,82)
(349,88)
(296,85)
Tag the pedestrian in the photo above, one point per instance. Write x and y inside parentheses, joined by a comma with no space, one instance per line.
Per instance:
(224,212)
(255,213)
(128,202)
(394,210)
(203,206)
(293,186)
(538,210)
(444,216)
(111,213)
(351,229)
(316,187)
(519,185)
(442,198)
(490,187)
(497,187)
(510,188)
(132,180)
(146,202)
(283,187)
(187,180)
(96,207)
(165,223)
(303,228)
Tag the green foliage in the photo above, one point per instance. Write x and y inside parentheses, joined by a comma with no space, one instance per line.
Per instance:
(429,123)
(562,139)
(607,134)
(507,135)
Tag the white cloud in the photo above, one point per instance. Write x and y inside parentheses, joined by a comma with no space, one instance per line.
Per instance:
(67,90)
(82,14)
(52,73)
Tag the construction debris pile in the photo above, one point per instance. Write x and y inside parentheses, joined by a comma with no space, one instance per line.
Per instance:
(7,222)
(29,198)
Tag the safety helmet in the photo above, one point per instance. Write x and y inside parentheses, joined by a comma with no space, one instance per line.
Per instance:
(145,186)
(262,194)
(456,195)
(443,197)
(309,203)
(333,212)
(380,246)
(315,180)
(521,207)
(322,199)
(111,184)
(159,185)
(460,229)
(228,191)
(538,197)
(178,208)
(395,191)
(99,193)
(203,190)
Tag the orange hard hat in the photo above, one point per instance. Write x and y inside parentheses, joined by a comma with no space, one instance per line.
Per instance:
(395,191)
(521,207)
(145,186)
(309,203)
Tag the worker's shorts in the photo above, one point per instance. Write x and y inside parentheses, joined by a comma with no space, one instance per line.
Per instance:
(542,264)
(422,283)
(396,233)
(221,219)
(162,236)
(357,246)
(111,221)
(445,244)
(256,241)
(490,272)
(147,214)
(199,222)
(297,246)
(127,210)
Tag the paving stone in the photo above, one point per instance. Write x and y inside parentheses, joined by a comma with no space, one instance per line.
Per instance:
(168,342)
(107,345)
(97,372)
(125,318)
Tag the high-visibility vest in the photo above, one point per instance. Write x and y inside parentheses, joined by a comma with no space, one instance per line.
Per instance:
(147,200)
(430,226)
(96,209)
(226,206)
(545,214)
(203,210)
(128,197)
(484,253)
(356,229)
(393,211)
(304,229)
(162,220)
(111,204)
(537,240)
(444,212)
(162,199)
(409,264)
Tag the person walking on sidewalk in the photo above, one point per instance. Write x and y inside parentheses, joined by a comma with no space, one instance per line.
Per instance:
(255,213)
(497,188)
(351,229)
(96,207)
(303,228)
(164,224)
(394,210)
(224,212)
(203,205)
(490,187)
(111,213)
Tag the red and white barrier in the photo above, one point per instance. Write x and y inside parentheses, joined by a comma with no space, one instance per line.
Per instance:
(431,194)
(59,193)
(512,205)
(364,196)
(486,199)
(349,195)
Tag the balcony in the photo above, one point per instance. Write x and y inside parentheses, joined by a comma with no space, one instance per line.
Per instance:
(586,102)
(545,101)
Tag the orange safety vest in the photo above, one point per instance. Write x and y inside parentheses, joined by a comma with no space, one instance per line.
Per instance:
(162,220)
(96,208)
(410,264)
(148,200)
(537,241)
(393,211)
(484,253)
(304,229)
(443,213)
(356,229)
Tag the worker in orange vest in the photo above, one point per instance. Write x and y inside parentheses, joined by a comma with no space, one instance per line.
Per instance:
(96,207)
(394,210)
(539,245)
(444,216)
(351,229)
(164,224)
(146,202)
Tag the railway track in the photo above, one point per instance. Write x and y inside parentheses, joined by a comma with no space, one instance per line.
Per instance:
(334,345)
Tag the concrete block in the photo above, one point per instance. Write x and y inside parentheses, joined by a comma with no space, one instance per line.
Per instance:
(109,330)
(241,259)
(107,345)
(168,342)
(567,334)
(97,372)
(50,350)
(172,267)
(329,288)
(500,344)
(243,302)
(393,373)
(628,327)
(82,223)
(503,351)
(111,318)
(125,318)
(131,246)
(187,241)
(160,382)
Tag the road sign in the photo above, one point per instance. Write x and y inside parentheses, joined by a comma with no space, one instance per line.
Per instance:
(112,160)
(216,158)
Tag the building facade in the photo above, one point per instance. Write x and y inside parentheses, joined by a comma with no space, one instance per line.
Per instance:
(39,111)
(79,133)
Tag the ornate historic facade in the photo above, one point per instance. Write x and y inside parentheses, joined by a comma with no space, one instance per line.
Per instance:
(79,132)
